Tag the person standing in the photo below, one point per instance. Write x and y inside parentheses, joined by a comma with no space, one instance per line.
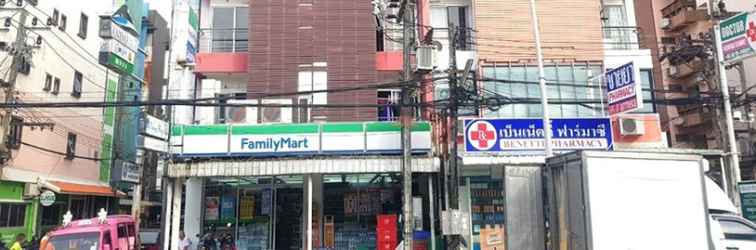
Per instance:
(20,239)
(184,243)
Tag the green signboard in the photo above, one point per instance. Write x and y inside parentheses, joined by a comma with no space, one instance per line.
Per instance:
(748,199)
(738,36)
(108,123)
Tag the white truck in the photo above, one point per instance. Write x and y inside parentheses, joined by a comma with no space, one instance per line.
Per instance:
(627,201)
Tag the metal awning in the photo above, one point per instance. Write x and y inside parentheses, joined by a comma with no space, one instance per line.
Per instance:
(294,166)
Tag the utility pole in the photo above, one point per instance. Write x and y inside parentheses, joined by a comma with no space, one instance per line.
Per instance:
(407,117)
(731,140)
(542,82)
(19,51)
(453,184)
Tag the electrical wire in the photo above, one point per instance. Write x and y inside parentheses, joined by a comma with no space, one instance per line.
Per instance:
(60,153)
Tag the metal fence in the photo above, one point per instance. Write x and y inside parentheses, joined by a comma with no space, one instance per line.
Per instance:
(621,37)
(224,40)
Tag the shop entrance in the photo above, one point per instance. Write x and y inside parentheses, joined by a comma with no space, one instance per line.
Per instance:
(255,213)
(348,212)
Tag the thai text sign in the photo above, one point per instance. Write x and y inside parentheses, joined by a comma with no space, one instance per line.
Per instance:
(623,91)
(738,36)
(519,136)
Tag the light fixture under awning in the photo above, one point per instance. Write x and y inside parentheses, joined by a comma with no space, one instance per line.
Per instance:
(268,167)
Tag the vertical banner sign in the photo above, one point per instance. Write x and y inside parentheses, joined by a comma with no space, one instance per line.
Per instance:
(747,191)
(212,208)
(191,43)
(738,37)
(623,91)
(228,207)
(108,123)
(525,136)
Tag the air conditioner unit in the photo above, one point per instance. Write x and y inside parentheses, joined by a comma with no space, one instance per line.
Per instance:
(631,126)
(31,190)
(425,58)
(672,71)
(664,23)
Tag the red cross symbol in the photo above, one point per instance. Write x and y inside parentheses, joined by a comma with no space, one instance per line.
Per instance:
(482,135)
(752,31)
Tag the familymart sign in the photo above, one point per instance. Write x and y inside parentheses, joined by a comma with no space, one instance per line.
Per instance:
(295,139)
(738,36)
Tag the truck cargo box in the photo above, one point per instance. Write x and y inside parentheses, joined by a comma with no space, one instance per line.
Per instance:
(599,200)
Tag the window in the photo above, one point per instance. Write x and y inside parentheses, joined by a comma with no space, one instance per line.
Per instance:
(122,231)
(12,215)
(56,86)
(378,35)
(16,130)
(71,146)
(230,32)
(387,97)
(458,15)
(55,15)
(63,21)
(83,25)
(48,82)
(737,230)
(53,214)
(647,85)
(78,77)
(106,240)
(86,240)
(572,76)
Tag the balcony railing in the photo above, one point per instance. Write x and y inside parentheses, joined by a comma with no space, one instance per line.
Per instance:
(621,37)
(224,40)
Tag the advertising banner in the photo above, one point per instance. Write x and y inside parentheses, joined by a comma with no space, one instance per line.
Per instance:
(518,136)
(738,36)
(212,207)
(228,206)
(623,89)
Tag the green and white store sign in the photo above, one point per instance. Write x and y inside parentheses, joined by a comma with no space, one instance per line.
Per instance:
(295,139)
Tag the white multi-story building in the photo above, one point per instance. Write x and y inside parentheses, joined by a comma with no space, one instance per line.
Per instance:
(56,149)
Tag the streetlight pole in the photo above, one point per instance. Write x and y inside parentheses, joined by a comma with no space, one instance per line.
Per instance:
(542,82)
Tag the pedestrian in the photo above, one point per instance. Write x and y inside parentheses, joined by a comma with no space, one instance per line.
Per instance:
(20,240)
(184,243)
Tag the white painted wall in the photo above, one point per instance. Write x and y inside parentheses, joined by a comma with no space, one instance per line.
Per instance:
(61,53)
(193,208)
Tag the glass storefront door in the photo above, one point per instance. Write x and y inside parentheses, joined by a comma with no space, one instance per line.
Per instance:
(254,213)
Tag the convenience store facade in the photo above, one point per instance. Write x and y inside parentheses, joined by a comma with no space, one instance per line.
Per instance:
(298,186)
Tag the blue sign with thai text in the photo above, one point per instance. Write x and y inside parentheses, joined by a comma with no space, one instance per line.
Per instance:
(519,136)
(623,92)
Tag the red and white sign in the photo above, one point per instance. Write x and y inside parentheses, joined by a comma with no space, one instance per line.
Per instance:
(482,135)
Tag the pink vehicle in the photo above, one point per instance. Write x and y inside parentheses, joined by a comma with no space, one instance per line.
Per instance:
(115,232)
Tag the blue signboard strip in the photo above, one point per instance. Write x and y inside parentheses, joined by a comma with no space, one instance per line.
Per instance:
(518,135)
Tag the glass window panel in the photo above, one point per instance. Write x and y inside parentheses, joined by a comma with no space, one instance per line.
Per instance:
(242,17)
(735,227)
(223,17)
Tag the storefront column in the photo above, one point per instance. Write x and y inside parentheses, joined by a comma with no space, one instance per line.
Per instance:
(312,210)
(178,185)
(193,208)
(165,220)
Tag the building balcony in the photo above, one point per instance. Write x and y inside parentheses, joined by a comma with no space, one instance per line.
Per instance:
(680,14)
(223,51)
(621,38)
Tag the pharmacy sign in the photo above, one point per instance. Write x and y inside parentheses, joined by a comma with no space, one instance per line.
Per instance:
(738,36)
